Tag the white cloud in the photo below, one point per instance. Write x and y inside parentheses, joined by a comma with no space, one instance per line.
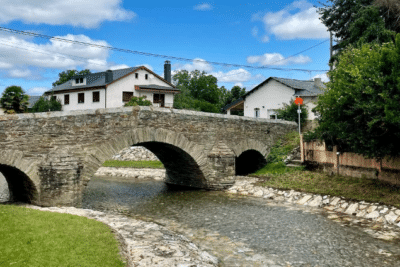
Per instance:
(299,20)
(37,90)
(324,77)
(236,76)
(265,39)
(147,66)
(198,64)
(239,84)
(203,7)
(21,56)
(276,59)
(16,73)
(88,13)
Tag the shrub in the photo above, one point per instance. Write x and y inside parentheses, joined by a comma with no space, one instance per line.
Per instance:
(45,105)
(138,101)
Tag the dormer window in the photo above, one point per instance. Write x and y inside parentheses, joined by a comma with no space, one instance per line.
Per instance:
(78,80)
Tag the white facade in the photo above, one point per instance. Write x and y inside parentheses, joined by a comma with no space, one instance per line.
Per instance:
(127,84)
(111,95)
(270,97)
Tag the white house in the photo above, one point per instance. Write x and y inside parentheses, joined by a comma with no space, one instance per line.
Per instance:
(113,88)
(264,99)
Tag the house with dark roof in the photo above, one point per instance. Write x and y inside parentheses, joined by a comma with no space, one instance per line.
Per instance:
(264,99)
(113,88)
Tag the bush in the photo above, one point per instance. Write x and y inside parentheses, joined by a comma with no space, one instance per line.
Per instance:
(45,105)
(289,113)
(138,101)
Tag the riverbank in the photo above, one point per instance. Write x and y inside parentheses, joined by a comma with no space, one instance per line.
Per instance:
(380,221)
(145,243)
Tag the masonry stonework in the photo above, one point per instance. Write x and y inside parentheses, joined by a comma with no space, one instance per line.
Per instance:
(54,155)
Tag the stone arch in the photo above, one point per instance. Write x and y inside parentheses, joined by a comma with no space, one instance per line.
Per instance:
(21,175)
(161,142)
(250,156)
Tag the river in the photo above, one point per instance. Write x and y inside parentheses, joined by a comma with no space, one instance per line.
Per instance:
(243,231)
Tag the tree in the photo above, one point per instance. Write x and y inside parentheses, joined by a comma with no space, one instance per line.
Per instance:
(199,91)
(360,112)
(390,10)
(44,105)
(357,22)
(289,113)
(138,101)
(68,74)
(14,99)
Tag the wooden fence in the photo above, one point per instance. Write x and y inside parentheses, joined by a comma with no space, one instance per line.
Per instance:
(349,164)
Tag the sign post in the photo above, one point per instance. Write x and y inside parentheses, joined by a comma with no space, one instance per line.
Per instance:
(299,101)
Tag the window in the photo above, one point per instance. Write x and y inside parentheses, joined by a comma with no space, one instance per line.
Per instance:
(146,76)
(256,112)
(159,99)
(96,96)
(78,80)
(66,99)
(126,96)
(137,75)
(81,98)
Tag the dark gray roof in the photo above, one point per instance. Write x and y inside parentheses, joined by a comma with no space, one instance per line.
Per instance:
(232,104)
(95,80)
(32,100)
(301,87)
(157,87)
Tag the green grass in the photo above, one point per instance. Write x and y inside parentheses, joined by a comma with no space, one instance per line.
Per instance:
(134,164)
(276,168)
(38,238)
(283,147)
(371,190)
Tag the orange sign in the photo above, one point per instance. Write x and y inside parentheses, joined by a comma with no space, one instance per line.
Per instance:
(298,101)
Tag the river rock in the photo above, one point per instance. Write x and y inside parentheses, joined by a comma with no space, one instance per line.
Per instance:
(316,202)
(372,215)
(304,200)
(352,208)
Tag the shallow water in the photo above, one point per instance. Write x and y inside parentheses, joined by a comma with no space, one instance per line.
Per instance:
(288,235)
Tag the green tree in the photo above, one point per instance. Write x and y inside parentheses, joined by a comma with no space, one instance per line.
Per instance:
(45,104)
(68,74)
(360,112)
(138,101)
(14,100)
(357,22)
(199,91)
(289,113)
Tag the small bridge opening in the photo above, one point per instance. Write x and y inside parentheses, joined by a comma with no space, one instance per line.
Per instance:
(20,186)
(249,162)
(181,168)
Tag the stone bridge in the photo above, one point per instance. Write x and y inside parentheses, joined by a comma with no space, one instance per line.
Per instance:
(49,158)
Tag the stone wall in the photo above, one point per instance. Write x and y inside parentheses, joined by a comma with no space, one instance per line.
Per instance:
(135,153)
(4,192)
(132,173)
(55,154)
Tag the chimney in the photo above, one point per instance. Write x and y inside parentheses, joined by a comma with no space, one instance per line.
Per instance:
(317,82)
(109,76)
(167,71)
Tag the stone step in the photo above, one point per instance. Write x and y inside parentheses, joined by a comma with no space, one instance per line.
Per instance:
(296,161)
(293,165)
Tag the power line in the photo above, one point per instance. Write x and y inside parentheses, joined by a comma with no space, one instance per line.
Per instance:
(311,47)
(12,31)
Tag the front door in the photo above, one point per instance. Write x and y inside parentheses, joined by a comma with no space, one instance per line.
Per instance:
(160,99)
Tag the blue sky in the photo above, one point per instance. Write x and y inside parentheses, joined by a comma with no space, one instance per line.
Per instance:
(254,34)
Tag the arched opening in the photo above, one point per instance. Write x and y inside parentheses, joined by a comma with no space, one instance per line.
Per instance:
(21,188)
(181,168)
(249,162)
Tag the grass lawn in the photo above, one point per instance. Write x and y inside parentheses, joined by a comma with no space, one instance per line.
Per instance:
(134,164)
(38,238)
(371,190)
